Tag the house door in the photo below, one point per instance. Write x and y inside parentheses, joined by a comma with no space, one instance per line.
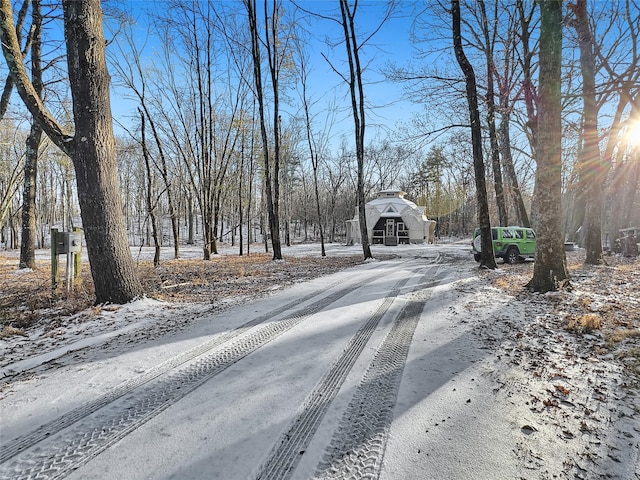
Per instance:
(390,237)
(390,227)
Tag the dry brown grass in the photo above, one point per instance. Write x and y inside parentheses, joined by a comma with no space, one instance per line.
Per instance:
(9,331)
(584,323)
(26,299)
(228,276)
(622,334)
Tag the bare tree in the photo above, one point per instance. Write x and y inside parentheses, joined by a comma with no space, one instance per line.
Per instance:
(618,90)
(591,171)
(550,271)
(354,80)
(150,201)
(491,31)
(11,172)
(200,112)
(506,85)
(314,149)
(131,73)
(27,240)
(91,146)
(8,85)
(489,38)
(487,258)
(271,168)
(336,178)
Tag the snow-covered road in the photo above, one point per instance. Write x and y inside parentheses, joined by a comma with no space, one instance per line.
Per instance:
(373,372)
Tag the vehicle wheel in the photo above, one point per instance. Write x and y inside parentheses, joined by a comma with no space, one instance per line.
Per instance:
(476,257)
(512,256)
(477,244)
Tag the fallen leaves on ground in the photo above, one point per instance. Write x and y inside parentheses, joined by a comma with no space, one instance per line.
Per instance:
(575,354)
(27,300)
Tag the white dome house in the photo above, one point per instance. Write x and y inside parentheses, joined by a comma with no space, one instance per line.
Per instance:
(392,220)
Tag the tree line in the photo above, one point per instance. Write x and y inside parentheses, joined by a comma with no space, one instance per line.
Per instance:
(228,140)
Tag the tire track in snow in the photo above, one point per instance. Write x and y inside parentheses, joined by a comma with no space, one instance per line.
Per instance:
(24,442)
(284,457)
(94,427)
(357,448)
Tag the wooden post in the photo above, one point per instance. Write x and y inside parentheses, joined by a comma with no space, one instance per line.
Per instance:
(77,278)
(54,258)
(68,274)
(71,244)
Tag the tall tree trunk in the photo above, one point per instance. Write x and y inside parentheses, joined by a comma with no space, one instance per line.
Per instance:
(528,88)
(190,217)
(271,182)
(28,239)
(92,147)
(590,164)
(357,105)
(94,155)
(250,232)
(323,250)
(240,207)
(505,85)
(549,271)
(29,234)
(491,119)
(151,203)
(487,258)
(522,218)
(313,155)
(273,193)
(164,172)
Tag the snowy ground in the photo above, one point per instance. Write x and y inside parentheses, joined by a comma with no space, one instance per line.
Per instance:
(415,367)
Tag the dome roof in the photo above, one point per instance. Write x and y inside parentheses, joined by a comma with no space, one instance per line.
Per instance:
(389,202)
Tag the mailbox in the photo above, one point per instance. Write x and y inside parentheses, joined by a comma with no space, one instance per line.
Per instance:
(69,244)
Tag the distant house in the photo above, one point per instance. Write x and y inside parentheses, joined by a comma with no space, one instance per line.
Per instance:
(392,220)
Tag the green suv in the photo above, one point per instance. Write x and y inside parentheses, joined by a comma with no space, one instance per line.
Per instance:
(512,244)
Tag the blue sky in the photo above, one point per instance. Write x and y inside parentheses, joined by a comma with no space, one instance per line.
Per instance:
(391,44)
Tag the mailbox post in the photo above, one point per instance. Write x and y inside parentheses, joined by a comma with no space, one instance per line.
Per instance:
(69,243)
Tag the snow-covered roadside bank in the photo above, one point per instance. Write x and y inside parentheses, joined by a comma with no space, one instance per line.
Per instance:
(576,405)
(490,371)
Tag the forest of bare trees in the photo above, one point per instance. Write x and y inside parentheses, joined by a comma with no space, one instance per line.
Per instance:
(224,132)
